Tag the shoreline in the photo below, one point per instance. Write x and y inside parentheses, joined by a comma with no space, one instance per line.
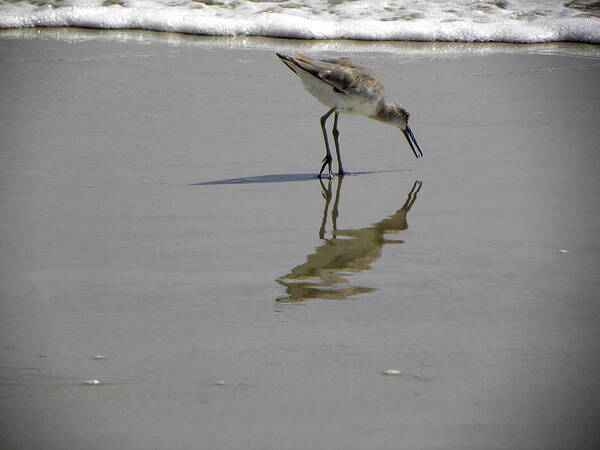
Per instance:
(408,48)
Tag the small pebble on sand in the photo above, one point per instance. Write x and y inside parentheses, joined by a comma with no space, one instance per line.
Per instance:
(99,357)
(563,252)
(92,382)
(220,383)
(392,372)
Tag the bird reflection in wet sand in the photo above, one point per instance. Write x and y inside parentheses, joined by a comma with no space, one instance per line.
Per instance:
(324,273)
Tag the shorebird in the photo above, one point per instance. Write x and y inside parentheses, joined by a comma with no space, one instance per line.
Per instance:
(347,87)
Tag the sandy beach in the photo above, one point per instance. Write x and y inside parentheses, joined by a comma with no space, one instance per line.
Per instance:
(162,232)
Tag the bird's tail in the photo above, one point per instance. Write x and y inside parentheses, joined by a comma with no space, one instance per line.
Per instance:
(288,61)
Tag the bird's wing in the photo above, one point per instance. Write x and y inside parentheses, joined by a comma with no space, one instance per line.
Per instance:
(315,64)
(319,69)
(347,62)
(344,75)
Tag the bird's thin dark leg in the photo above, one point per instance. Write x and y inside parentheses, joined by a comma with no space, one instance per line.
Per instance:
(336,135)
(327,159)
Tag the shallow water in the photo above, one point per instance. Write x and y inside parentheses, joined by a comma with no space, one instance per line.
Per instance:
(262,314)
(373,20)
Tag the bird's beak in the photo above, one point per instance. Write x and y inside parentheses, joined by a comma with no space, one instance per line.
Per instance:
(412,141)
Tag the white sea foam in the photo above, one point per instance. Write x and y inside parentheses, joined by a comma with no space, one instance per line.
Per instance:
(416,20)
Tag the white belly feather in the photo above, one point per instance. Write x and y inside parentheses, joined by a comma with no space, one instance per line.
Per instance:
(344,103)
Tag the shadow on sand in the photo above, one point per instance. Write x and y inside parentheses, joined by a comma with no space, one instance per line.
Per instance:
(348,251)
(282,178)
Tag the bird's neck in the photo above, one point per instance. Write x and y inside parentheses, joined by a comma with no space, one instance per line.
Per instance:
(384,113)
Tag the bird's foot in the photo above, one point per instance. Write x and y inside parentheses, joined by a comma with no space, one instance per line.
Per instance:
(326,163)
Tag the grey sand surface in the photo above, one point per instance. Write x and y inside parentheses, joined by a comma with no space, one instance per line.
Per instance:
(111,245)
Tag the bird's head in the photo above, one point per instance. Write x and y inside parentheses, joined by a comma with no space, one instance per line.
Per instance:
(394,114)
(399,117)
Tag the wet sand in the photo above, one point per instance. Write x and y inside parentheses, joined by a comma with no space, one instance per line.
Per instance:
(158,208)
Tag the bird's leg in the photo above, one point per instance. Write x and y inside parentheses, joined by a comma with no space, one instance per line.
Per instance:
(327,159)
(336,135)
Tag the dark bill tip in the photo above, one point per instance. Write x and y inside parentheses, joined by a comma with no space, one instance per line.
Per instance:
(408,139)
(414,139)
